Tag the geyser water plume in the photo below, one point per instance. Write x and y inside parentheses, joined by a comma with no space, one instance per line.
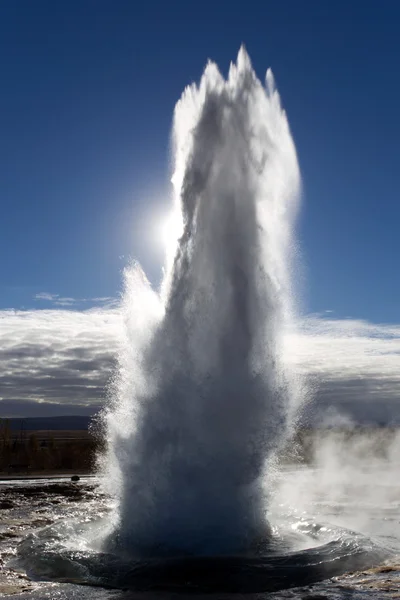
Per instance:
(202,393)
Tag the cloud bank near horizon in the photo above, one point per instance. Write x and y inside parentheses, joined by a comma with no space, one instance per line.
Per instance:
(353,367)
(58,361)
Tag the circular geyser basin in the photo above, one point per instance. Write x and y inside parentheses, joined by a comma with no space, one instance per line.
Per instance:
(62,553)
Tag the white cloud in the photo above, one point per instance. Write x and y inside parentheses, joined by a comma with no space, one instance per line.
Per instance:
(46,296)
(56,356)
(65,357)
(66,301)
(60,301)
(354,364)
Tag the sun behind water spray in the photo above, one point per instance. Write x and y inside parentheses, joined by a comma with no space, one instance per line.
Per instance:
(202,392)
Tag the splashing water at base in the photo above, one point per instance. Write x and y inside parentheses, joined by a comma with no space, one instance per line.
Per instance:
(202,394)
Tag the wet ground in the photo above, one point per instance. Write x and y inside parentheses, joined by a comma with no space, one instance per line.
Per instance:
(29,505)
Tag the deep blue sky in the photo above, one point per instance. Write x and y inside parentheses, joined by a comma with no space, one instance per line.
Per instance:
(87,94)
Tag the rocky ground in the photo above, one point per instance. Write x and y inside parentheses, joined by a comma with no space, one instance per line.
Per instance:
(24,508)
(380,583)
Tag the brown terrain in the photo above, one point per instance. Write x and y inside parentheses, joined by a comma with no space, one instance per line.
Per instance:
(55,451)
(46,452)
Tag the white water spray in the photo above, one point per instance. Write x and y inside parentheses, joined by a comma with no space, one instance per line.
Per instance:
(202,393)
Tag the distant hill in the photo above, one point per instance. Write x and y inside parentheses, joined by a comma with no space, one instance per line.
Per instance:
(73,422)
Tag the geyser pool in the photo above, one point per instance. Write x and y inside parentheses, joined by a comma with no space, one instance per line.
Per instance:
(202,394)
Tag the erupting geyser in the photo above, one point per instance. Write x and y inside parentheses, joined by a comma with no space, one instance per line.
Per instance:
(202,394)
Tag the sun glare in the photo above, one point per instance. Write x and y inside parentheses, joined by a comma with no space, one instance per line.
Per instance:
(170,230)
